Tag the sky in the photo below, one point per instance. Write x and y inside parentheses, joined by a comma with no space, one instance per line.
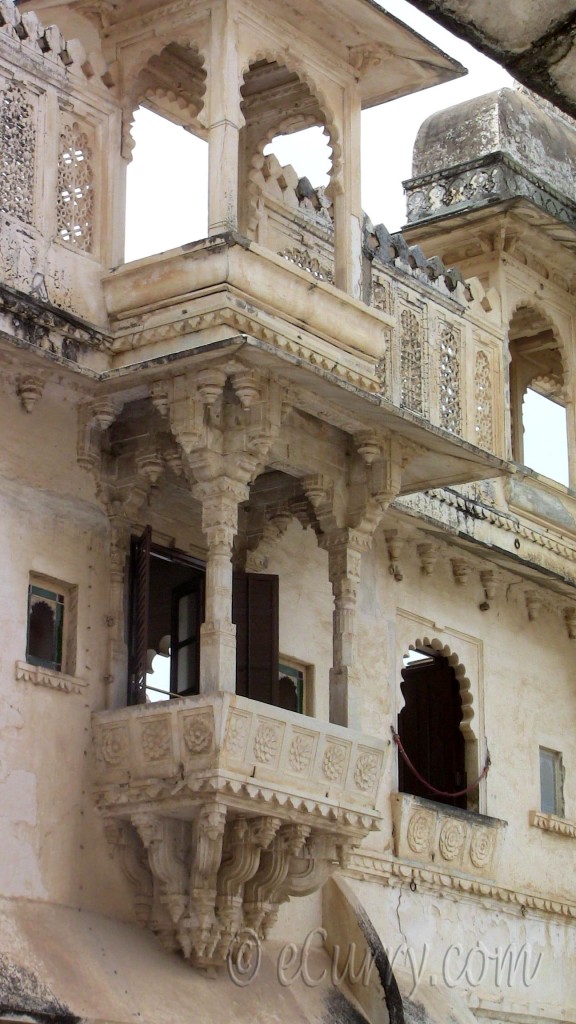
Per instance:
(168,154)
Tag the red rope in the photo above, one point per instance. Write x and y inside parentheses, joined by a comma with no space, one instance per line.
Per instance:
(439,792)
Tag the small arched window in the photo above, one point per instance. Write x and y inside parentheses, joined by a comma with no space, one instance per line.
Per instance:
(537,395)
(429,729)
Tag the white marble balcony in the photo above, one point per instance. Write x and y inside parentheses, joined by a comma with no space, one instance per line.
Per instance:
(222,807)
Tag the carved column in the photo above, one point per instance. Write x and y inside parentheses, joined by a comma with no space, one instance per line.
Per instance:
(220,499)
(347,203)
(225,119)
(344,557)
(118,660)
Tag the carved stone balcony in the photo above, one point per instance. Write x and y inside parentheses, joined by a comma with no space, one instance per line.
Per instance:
(221,808)
(444,837)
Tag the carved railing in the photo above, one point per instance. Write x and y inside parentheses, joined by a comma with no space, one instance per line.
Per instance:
(446,837)
(221,808)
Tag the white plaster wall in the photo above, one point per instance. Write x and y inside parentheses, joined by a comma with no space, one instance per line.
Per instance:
(436,942)
(522,683)
(52,843)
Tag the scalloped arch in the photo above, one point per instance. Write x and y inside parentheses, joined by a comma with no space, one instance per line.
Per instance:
(542,310)
(435,646)
(141,89)
(287,59)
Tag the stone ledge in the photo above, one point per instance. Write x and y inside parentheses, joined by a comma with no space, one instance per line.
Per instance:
(553,823)
(52,680)
(373,866)
(445,836)
(181,747)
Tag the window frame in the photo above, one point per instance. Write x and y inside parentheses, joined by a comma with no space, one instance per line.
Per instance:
(68,592)
(554,758)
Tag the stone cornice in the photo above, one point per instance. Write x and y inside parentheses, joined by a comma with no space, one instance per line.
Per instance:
(489,179)
(469,518)
(37,324)
(553,823)
(39,676)
(373,866)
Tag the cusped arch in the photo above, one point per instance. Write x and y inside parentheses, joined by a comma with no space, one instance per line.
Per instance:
(541,310)
(434,646)
(153,81)
(287,60)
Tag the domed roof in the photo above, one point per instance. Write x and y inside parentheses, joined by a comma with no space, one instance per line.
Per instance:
(502,145)
(507,121)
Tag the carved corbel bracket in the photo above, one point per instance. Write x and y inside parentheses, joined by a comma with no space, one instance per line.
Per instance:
(261,892)
(428,554)
(163,839)
(461,570)
(569,613)
(94,419)
(395,544)
(534,604)
(29,391)
(490,580)
(245,840)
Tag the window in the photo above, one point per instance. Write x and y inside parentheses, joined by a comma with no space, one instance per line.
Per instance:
(551,778)
(292,685)
(50,641)
(429,729)
(167,608)
(538,395)
(166,613)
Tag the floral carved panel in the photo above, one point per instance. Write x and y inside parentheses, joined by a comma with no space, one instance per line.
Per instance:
(444,836)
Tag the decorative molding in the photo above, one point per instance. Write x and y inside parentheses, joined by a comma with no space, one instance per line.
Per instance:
(553,823)
(457,510)
(52,680)
(445,836)
(494,178)
(381,867)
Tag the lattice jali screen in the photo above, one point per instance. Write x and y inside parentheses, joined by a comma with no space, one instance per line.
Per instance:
(75,206)
(17,152)
(413,363)
(483,425)
(450,344)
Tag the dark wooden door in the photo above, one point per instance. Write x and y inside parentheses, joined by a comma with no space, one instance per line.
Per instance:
(429,728)
(255,612)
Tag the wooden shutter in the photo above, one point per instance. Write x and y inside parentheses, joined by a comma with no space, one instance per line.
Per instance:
(255,612)
(187,615)
(429,727)
(140,596)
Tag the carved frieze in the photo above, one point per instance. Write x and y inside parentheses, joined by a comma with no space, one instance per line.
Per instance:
(444,836)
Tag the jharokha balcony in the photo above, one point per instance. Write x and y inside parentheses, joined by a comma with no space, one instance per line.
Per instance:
(222,807)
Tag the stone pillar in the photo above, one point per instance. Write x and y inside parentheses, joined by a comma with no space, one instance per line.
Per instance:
(225,121)
(344,557)
(571,434)
(117,677)
(220,499)
(347,203)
